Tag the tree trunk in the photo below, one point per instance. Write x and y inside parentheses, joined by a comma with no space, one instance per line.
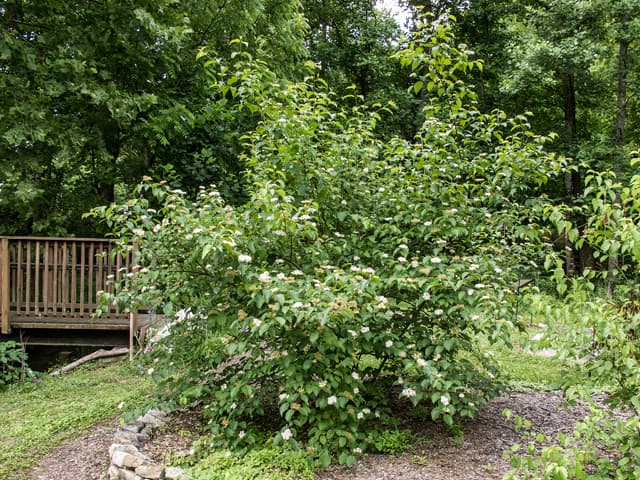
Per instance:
(621,117)
(572,180)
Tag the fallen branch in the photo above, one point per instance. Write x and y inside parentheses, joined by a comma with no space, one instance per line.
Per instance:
(116,352)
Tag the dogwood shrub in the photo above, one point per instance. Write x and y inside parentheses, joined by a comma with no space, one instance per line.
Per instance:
(360,275)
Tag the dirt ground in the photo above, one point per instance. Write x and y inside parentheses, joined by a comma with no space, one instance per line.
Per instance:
(436,456)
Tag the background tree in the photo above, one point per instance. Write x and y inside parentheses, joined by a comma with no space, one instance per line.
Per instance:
(92,93)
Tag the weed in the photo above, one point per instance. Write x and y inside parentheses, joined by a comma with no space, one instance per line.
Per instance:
(36,418)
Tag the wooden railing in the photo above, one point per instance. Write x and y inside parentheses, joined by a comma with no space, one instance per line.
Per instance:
(56,283)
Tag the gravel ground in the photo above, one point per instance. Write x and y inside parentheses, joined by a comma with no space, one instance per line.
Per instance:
(434,457)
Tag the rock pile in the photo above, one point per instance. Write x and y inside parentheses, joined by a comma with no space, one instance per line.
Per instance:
(128,461)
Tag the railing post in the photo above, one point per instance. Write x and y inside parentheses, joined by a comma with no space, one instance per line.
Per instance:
(5,328)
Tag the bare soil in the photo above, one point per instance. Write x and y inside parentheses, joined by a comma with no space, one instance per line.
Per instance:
(435,455)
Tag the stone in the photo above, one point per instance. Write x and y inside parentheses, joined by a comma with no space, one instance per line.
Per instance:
(131,427)
(150,420)
(124,459)
(113,473)
(129,475)
(150,471)
(174,473)
(132,449)
(130,438)
(159,414)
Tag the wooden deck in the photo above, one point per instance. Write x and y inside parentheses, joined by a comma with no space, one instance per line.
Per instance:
(55,284)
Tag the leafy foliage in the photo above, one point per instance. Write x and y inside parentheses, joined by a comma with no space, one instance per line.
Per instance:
(360,273)
(12,361)
(96,95)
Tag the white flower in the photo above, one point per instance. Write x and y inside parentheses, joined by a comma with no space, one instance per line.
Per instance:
(408,392)
(356,390)
(402,260)
(157,228)
(428,223)
(256,322)
(436,357)
(355,375)
(322,383)
(242,434)
(497,270)
(426,296)
(355,268)
(360,415)
(244,258)
(364,329)
(474,266)
(415,264)
(357,450)
(461,395)
(120,405)
(286,434)
(150,371)
(297,273)
(444,400)
(332,400)
(470,291)
(281,276)
(480,285)
(283,396)
(388,344)
(436,260)
(297,305)
(381,299)
(421,362)
(438,311)
(403,246)
(264,277)
(475,318)
(352,333)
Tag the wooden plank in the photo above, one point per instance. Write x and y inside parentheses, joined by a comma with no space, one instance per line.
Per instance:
(74,278)
(63,303)
(82,277)
(100,259)
(68,325)
(90,293)
(55,285)
(28,266)
(53,239)
(5,328)
(36,287)
(45,278)
(19,301)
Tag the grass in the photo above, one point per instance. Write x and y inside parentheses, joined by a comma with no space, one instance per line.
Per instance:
(37,417)
(266,463)
(528,371)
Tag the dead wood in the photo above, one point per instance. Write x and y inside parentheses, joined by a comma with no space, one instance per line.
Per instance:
(102,353)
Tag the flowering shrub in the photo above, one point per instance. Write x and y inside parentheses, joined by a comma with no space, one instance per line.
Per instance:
(359,274)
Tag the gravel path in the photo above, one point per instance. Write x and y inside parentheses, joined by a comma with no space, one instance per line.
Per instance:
(434,457)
